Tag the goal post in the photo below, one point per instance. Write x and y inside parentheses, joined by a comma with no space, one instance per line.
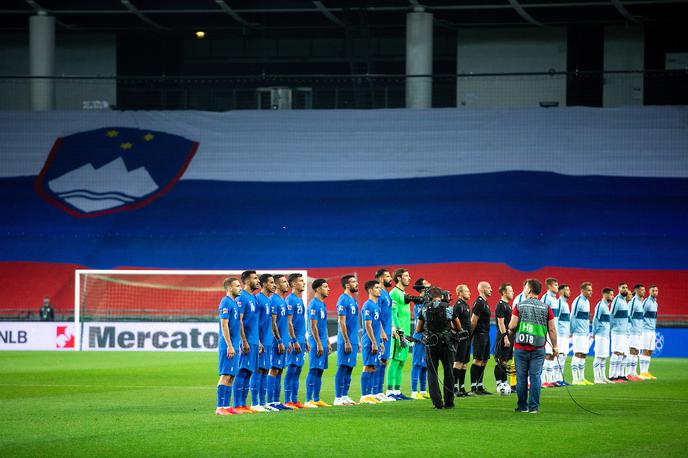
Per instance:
(152,296)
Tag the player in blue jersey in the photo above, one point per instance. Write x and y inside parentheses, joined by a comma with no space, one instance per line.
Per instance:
(620,324)
(635,344)
(228,346)
(580,328)
(280,332)
(549,371)
(371,345)
(600,332)
(250,341)
(259,380)
(419,368)
(649,331)
(296,314)
(320,348)
(563,331)
(347,340)
(384,279)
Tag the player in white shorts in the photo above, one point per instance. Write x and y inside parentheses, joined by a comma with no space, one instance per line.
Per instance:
(636,314)
(580,328)
(619,332)
(563,332)
(649,330)
(600,332)
(549,369)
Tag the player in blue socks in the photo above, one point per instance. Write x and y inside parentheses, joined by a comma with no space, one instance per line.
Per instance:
(228,346)
(371,346)
(259,380)
(347,341)
(278,351)
(296,313)
(250,341)
(320,347)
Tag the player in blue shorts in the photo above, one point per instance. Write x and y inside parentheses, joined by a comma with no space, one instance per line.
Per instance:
(317,338)
(228,346)
(419,370)
(371,345)
(259,380)
(296,314)
(280,332)
(385,304)
(347,341)
(250,340)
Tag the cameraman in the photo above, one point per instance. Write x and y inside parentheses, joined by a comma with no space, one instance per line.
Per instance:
(434,321)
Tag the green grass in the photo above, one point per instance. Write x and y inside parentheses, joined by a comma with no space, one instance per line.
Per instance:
(137,404)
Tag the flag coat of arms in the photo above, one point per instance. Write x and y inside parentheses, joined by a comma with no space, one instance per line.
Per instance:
(112,169)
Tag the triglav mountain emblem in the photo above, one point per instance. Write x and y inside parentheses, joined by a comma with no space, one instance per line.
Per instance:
(112,169)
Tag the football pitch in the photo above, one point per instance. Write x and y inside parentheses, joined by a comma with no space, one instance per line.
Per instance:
(143,404)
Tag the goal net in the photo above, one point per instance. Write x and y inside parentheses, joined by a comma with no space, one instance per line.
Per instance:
(151,295)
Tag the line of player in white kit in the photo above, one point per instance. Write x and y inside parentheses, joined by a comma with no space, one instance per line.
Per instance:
(625,321)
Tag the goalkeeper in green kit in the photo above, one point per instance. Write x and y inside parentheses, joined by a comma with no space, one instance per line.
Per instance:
(401,319)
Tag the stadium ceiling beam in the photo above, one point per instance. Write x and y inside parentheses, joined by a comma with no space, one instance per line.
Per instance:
(233,14)
(522,12)
(328,14)
(623,11)
(340,9)
(38,8)
(128,5)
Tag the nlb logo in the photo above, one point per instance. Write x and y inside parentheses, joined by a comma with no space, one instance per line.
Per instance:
(112,169)
(64,337)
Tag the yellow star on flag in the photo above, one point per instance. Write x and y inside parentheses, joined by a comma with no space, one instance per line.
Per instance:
(112,133)
(126,145)
(148,137)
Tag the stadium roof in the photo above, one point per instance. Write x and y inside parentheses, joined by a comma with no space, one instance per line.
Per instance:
(302,15)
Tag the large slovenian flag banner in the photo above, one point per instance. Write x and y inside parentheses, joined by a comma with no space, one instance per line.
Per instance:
(454,195)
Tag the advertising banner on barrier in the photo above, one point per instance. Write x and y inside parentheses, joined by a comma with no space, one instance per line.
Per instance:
(161,336)
(36,335)
(149,336)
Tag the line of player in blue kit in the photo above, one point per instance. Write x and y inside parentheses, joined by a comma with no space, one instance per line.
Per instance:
(261,335)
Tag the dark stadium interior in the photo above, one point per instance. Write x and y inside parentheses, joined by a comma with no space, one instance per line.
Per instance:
(270,39)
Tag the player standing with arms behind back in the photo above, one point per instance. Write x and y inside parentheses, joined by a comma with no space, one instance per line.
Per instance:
(258,385)
(250,341)
(280,332)
(636,313)
(619,331)
(296,313)
(385,304)
(347,340)
(549,372)
(563,332)
(319,343)
(580,328)
(649,330)
(370,342)
(600,332)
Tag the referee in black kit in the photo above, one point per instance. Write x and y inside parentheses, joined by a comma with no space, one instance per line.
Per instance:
(463,349)
(480,329)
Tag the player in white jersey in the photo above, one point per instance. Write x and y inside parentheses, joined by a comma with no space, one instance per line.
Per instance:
(600,332)
(548,377)
(619,332)
(635,344)
(521,296)
(649,330)
(580,328)
(563,332)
